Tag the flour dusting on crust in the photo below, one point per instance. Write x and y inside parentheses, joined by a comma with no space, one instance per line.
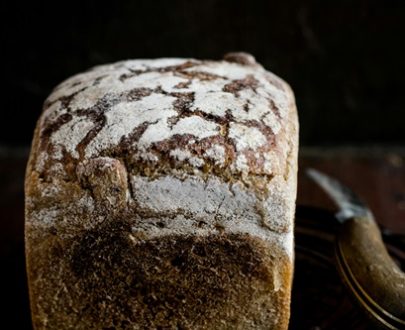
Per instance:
(216,113)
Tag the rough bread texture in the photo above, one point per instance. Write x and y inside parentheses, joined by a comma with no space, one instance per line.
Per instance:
(160,195)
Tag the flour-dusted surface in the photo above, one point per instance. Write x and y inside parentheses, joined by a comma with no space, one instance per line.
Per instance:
(161,194)
(217,114)
(212,204)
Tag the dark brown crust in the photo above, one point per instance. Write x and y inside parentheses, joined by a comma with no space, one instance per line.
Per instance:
(240,58)
(240,84)
(166,283)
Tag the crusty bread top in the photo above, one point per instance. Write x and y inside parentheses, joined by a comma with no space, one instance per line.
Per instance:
(231,118)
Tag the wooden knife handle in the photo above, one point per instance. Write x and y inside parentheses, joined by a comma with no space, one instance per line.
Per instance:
(372,276)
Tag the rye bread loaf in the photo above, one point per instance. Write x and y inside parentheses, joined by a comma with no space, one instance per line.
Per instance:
(160,194)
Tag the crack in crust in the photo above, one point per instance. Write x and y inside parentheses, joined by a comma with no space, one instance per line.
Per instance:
(238,85)
(226,118)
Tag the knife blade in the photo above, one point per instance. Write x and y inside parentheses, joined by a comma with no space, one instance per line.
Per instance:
(350,205)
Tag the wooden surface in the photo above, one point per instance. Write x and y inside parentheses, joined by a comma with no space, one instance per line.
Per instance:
(319,299)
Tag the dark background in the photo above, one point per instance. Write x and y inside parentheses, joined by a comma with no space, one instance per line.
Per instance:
(344,59)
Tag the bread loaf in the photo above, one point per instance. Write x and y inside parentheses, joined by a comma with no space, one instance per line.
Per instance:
(160,194)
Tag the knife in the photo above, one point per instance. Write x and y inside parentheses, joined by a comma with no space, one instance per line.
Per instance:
(374,279)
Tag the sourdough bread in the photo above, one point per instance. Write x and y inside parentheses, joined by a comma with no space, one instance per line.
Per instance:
(160,194)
